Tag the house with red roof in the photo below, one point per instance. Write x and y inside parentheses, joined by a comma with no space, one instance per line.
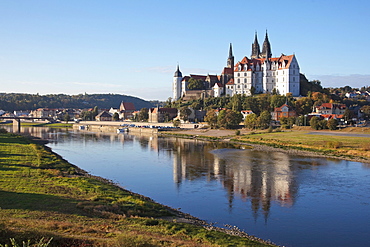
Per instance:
(330,108)
(283,111)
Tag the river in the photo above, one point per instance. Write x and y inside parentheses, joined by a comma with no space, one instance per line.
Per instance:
(288,199)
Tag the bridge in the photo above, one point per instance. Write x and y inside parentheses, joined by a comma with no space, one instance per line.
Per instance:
(17,121)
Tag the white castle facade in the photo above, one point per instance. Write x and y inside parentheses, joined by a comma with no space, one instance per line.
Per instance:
(261,73)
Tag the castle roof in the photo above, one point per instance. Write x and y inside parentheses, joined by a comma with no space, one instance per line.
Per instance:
(246,64)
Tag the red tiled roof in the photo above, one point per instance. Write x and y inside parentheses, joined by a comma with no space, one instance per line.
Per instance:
(227,71)
(230,82)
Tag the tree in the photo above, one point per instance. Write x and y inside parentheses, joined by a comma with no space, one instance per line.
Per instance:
(67,117)
(252,90)
(95,112)
(115,116)
(236,102)
(332,124)
(264,120)
(176,123)
(348,115)
(250,121)
(195,84)
(185,113)
(229,119)
(366,111)
(314,123)
(143,115)
(211,118)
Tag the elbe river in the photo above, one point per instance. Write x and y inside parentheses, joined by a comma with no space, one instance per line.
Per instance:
(290,200)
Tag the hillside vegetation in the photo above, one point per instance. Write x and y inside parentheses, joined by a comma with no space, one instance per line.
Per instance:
(18,101)
(43,196)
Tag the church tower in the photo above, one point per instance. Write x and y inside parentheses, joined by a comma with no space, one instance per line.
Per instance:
(176,86)
(230,59)
(266,48)
(255,48)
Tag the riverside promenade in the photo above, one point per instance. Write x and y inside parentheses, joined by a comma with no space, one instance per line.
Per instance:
(141,127)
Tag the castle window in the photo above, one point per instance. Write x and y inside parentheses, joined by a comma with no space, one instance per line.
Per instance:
(245,80)
(238,80)
(245,74)
(238,74)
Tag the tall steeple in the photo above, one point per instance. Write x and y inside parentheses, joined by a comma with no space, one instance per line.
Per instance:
(178,72)
(266,49)
(255,48)
(230,59)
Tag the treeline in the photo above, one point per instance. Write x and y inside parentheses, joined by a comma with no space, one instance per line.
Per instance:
(19,101)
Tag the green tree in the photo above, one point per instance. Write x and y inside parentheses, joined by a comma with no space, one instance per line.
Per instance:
(366,111)
(185,113)
(236,103)
(332,124)
(314,123)
(323,124)
(95,112)
(251,121)
(348,115)
(264,120)
(143,115)
(211,118)
(115,116)
(176,123)
(229,119)
(195,84)
(67,117)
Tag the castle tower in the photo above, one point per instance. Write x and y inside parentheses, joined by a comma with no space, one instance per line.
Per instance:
(230,59)
(266,48)
(176,86)
(255,48)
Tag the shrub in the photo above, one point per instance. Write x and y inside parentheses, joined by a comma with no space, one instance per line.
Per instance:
(237,132)
(3,131)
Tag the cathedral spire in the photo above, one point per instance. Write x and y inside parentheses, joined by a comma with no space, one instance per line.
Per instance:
(266,49)
(255,48)
(178,72)
(231,51)
(230,59)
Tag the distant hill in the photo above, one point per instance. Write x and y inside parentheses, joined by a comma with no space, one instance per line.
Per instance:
(19,101)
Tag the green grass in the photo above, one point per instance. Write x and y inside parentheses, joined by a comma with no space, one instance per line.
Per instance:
(43,196)
(344,146)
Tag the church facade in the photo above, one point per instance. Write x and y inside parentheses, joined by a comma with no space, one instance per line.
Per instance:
(261,73)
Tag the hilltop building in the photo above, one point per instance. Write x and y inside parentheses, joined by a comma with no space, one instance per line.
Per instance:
(261,73)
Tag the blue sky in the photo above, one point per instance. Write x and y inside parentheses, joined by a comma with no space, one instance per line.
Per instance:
(133,47)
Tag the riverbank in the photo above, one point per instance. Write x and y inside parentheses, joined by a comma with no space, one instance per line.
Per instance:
(45,196)
(349,144)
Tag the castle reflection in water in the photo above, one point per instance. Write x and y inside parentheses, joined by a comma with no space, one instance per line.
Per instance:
(258,177)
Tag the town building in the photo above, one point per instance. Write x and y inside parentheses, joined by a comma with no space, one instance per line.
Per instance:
(283,111)
(160,115)
(261,73)
(103,116)
(330,108)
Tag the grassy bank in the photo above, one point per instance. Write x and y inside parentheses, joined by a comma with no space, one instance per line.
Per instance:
(43,196)
(350,147)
